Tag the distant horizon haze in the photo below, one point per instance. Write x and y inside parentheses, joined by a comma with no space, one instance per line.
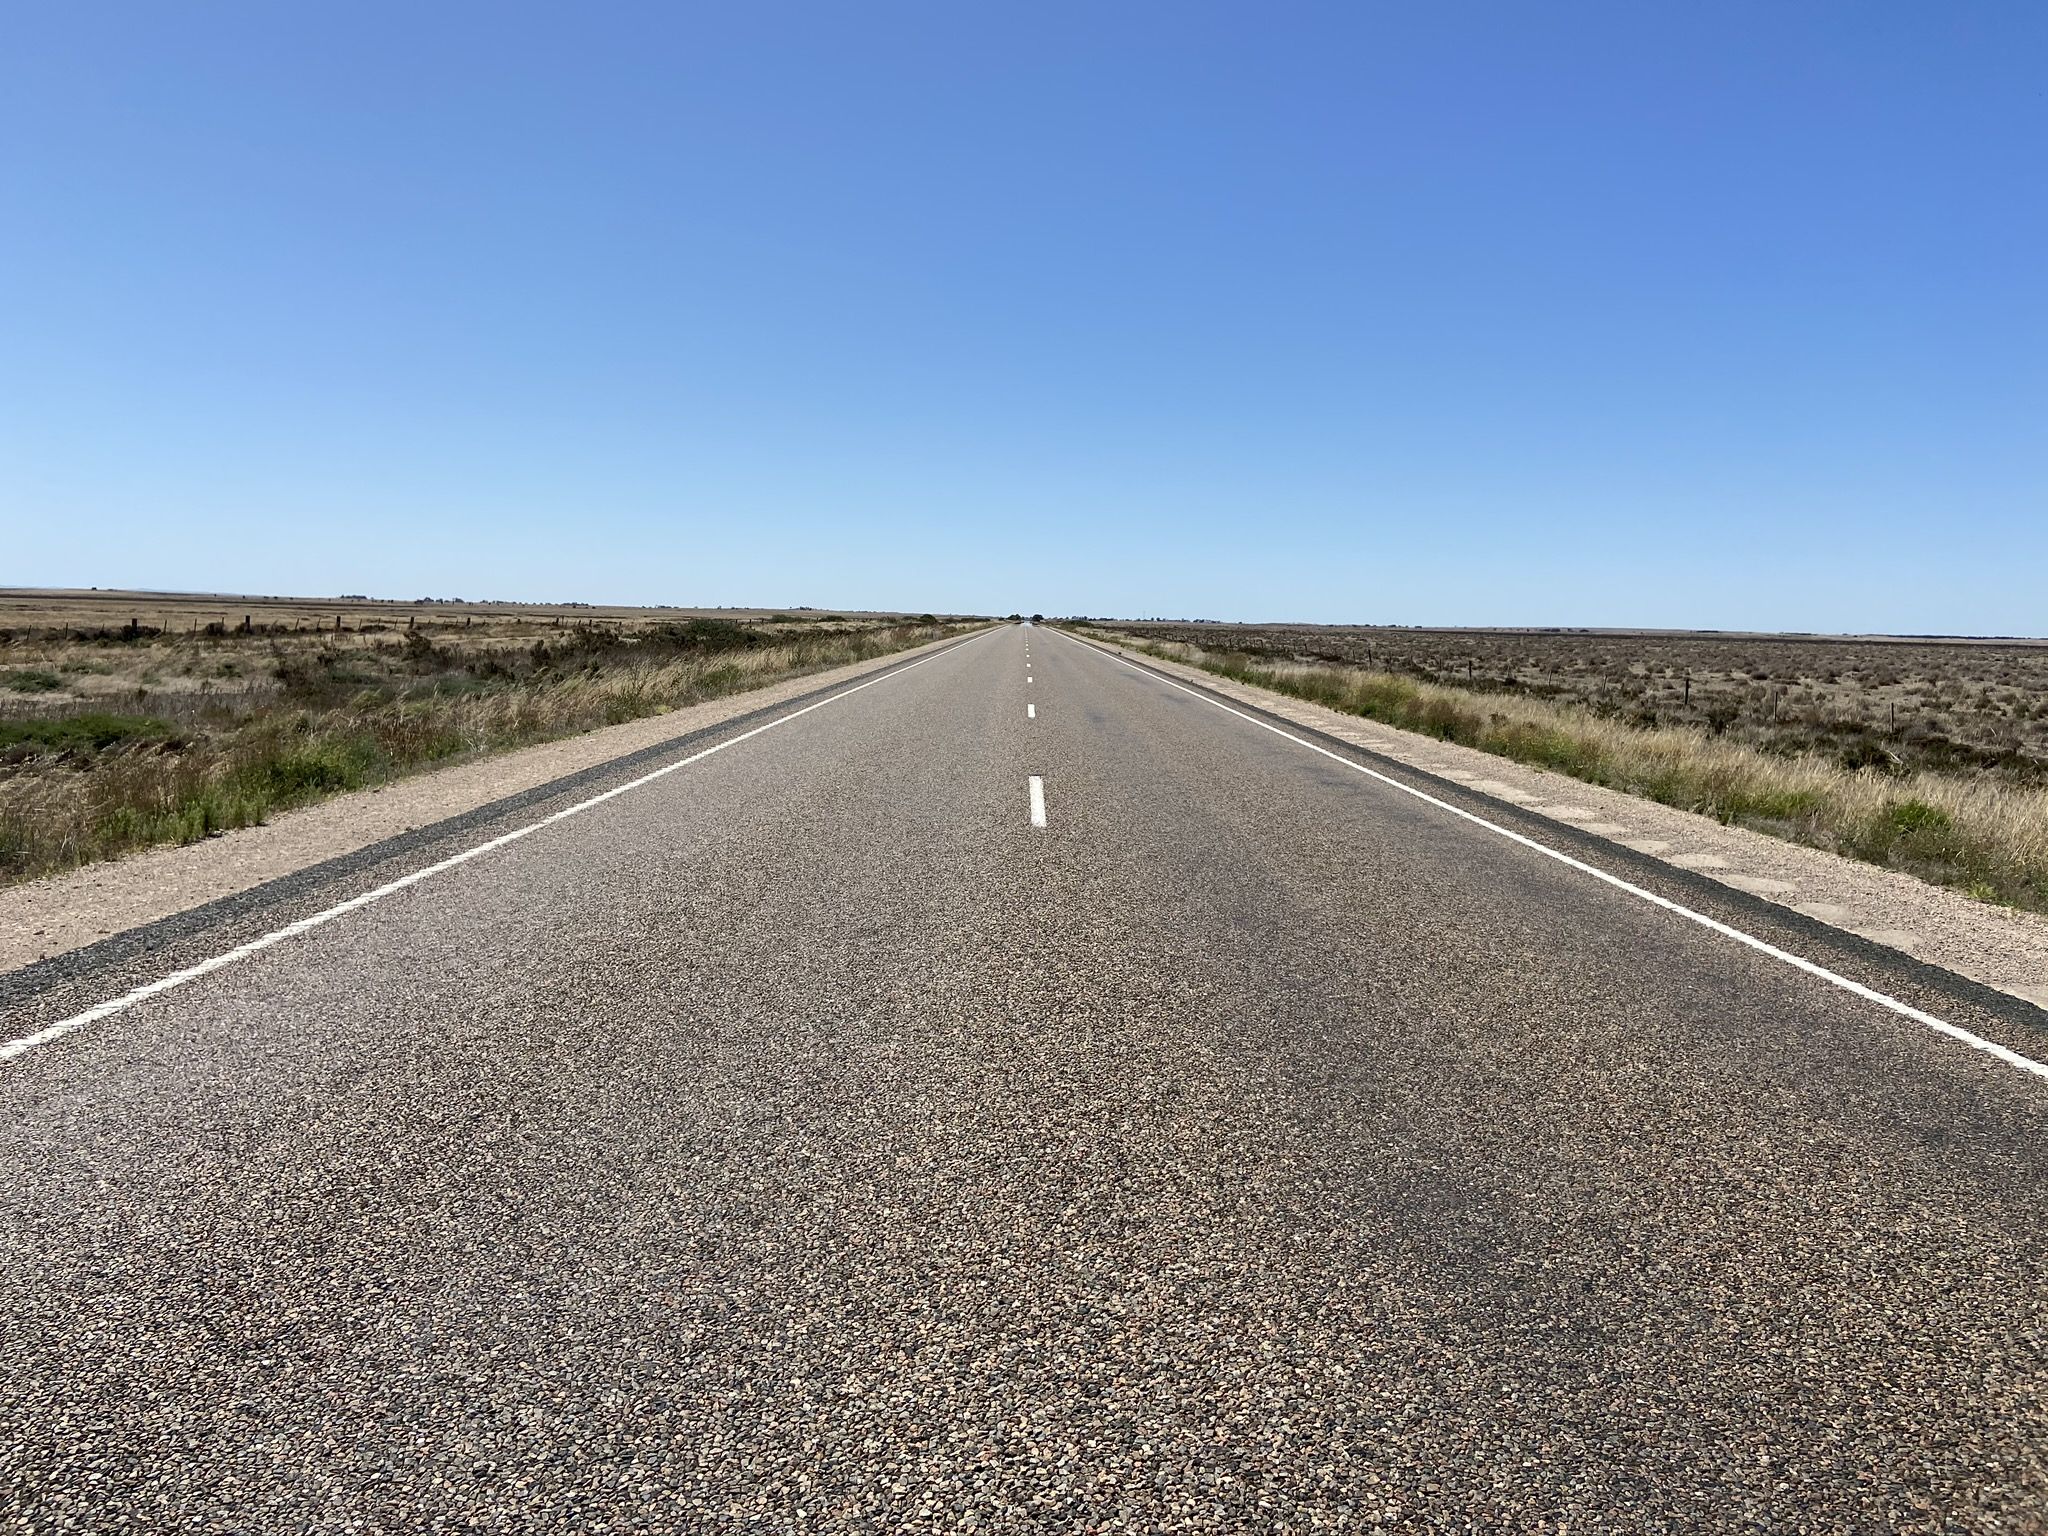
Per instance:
(1002,615)
(1585,316)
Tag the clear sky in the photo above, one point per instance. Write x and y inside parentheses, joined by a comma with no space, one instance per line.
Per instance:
(1726,315)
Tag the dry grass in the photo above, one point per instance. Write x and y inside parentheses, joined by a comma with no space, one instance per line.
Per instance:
(113,739)
(1978,831)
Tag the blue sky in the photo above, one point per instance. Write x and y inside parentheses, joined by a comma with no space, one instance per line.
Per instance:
(1722,315)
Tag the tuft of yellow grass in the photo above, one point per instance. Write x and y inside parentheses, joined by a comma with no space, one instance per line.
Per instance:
(1978,835)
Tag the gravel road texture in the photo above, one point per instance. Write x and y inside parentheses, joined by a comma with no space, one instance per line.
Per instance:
(803,1140)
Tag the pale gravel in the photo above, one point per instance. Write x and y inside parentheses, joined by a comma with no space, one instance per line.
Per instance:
(59,913)
(1998,947)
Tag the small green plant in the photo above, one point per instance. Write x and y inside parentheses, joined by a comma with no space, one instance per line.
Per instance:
(1907,816)
(31,680)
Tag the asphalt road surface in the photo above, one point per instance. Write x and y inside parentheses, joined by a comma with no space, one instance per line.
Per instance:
(805,1140)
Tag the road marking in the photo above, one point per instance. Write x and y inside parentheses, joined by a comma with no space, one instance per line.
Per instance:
(1905,1010)
(1030,711)
(1027,677)
(1037,801)
(12,1048)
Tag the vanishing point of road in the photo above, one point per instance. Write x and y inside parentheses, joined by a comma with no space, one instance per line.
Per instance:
(1011,1093)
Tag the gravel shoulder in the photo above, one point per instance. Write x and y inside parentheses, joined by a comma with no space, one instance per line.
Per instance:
(40,919)
(1998,947)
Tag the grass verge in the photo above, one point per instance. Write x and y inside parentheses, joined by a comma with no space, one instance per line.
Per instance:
(1980,836)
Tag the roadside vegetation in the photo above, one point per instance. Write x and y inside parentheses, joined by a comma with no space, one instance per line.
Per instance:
(117,738)
(1974,818)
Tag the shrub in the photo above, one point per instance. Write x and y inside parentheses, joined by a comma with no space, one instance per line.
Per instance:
(704,635)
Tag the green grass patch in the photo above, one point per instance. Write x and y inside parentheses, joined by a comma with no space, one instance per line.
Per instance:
(83,733)
(320,768)
(199,814)
(1909,816)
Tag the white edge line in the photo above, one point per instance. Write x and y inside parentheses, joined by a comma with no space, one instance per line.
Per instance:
(1037,801)
(2003,1053)
(12,1048)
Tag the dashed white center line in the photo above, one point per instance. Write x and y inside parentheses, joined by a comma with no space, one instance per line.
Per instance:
(1030,711)
(1037,801)
(1027,677)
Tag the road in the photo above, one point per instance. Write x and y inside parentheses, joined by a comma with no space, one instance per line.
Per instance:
(804,1139)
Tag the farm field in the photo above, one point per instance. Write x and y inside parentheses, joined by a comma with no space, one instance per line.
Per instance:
(1927,756)
(131,719)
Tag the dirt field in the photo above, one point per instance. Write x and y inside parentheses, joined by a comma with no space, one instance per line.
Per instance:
(1951,705)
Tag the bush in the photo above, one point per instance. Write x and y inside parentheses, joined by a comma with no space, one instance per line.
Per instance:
(1868,752)
(695,637)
